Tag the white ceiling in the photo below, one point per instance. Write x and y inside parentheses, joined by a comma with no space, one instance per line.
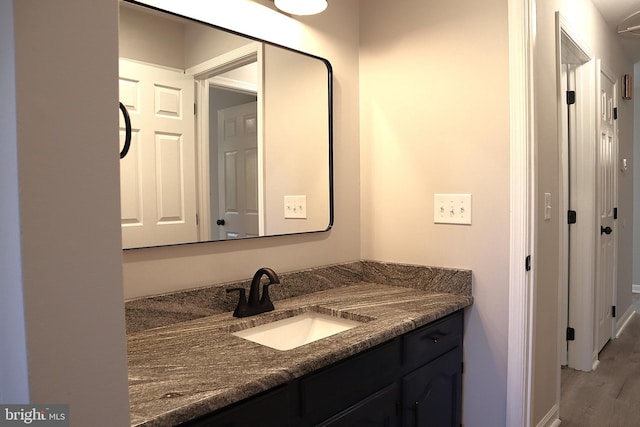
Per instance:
(614,11)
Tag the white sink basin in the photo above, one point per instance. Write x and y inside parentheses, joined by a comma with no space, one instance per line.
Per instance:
(298,330)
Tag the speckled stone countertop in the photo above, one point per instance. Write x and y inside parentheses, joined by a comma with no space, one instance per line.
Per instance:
(186,369)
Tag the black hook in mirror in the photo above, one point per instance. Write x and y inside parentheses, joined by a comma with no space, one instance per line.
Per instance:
(127,134)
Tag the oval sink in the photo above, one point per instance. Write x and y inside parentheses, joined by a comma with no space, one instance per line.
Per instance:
(298,330)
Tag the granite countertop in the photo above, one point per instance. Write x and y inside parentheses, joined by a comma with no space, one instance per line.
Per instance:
(188,369)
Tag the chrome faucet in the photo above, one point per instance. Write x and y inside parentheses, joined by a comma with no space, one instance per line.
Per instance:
(256,304)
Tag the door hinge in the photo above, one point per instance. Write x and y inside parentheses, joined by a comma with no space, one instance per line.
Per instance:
(615,213)
(462,367)
(195,109)
(571,97)
(572,217)
(527,263)
(571,334)
(613,311)
(197,219)
(615,113)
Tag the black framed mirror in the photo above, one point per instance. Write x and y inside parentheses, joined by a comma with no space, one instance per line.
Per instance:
(231,136)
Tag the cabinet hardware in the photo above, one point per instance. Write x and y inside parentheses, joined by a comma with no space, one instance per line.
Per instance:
(436,337)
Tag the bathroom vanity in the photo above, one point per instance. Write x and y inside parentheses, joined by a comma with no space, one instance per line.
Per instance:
(401,365)
(412,380)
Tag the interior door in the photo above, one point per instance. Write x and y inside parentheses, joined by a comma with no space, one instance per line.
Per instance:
(238,171)
(157,177)
(606,200)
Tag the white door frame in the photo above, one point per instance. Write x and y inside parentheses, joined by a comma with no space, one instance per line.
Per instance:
(521,18)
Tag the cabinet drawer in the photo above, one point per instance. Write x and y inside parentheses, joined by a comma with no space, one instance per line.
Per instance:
(273,406)
(379,410)
(429,342)
(338,387)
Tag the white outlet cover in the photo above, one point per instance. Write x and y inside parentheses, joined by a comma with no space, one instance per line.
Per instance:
(452,209)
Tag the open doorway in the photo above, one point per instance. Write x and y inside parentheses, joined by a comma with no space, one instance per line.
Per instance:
(589,193)
(576,94)
(230,153)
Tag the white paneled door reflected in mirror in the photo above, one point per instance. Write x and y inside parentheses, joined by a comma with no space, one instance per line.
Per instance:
(226,131)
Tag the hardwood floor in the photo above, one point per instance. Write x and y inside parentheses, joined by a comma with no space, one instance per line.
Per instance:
(610,395)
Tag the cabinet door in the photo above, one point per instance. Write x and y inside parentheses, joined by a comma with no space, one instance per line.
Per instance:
(433,393)
(379,410)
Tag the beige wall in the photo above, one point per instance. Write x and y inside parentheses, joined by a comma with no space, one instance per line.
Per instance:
(165,47)
(590,29)
(435,119)
(334,36)
(546,260)
(66,103)
(296,139)
(158,40)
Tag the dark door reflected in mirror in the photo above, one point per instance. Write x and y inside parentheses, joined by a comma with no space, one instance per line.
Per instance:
(230,136)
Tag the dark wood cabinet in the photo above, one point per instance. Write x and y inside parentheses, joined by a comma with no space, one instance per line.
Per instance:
(432,394)
(412,380)
(378,410)
(268,409)
(340,386)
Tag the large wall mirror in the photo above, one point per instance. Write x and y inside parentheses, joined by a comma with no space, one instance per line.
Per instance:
(230,136)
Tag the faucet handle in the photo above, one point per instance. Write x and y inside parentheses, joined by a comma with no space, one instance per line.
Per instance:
(265,301)
(242,301)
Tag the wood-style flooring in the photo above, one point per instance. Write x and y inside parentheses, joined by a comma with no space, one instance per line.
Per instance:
(610,395)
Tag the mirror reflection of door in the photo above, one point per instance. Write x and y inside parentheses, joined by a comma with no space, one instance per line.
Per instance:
(158,189)
(237,148)
(233,185)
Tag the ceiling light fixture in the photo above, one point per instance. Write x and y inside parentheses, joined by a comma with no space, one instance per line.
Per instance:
(630,26)
(301,7)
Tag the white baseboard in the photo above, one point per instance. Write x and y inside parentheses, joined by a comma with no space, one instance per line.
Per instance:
(635,289)
(552,419)
(624,320)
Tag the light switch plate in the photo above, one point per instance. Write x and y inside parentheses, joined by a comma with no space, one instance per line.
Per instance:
(295,207)
(452,209)
(547,206)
